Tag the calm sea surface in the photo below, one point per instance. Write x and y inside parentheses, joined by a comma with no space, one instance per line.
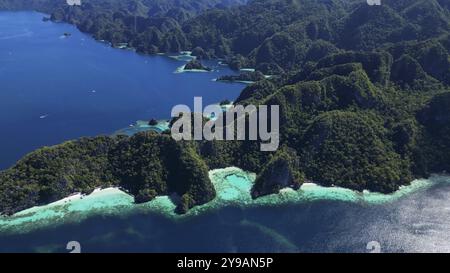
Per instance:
(54,88)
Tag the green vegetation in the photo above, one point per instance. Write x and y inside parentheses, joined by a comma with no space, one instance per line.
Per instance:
(244,77)
(433,153)
(142,24)
(282,171)
(196,65)
(145,165)
(352,150)
(363,93)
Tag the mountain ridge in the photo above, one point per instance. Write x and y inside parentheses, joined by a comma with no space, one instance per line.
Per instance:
(363,94)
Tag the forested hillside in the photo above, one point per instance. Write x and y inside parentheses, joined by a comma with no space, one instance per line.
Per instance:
(363,92)
(146,165)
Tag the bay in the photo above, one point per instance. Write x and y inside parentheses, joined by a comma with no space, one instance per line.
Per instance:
(55,87)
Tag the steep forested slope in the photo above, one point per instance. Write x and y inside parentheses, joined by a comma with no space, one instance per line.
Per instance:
(363,93)
(146,165)
(138,22)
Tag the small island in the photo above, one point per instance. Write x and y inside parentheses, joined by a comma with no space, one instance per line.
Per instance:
(364,112)
(196,65)
(153,122)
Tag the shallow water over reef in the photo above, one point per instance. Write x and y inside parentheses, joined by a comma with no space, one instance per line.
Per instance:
(313,219)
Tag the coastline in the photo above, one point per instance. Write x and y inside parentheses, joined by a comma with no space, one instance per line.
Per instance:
(232,185)
(143,126)
(182,69)
(358,112)
(230,81)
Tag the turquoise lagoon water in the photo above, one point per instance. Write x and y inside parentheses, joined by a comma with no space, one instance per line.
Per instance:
(54,88)
(313,219)
(143,126)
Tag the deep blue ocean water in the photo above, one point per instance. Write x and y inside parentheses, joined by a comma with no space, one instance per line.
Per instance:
(417,223)
(55,88)
(46,96)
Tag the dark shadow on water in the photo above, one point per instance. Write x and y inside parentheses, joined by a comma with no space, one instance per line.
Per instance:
(277,229)
(417,223)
